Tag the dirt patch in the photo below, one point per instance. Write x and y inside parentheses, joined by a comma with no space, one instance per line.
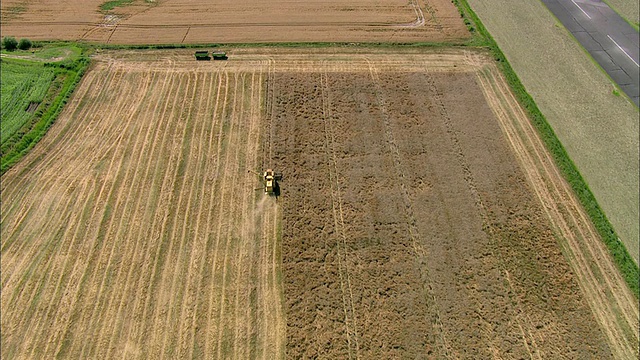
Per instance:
(32,107)
(201,21)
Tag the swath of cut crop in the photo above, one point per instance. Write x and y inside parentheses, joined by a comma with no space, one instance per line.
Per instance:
(145,222)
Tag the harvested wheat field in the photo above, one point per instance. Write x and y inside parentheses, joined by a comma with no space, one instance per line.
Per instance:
(420,217)
(204,21)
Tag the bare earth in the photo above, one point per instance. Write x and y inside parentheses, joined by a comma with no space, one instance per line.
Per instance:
(204,21)
(420,217)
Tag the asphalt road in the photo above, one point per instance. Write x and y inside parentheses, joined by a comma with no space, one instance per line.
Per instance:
(612,42)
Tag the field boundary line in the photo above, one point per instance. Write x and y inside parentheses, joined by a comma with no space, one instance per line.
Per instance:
(627,265)
(23,182)
(265,162)
(525,330)
(44,142)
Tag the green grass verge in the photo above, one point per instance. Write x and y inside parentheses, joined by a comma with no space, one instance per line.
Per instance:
(110,5)
(633,24)
(57,82)
(621,257)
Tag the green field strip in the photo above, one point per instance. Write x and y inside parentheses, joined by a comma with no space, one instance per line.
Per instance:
(22,84)
(48,84)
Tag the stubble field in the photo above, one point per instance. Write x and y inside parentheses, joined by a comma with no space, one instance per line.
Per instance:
(202,21)
(420,217)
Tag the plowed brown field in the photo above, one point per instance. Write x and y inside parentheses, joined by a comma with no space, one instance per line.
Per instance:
(420,217)
(205,21)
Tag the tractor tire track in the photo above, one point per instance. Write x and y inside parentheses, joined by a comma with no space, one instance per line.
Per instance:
(194,264)
(338,217)
(416,240)
(223,341)
(219,110)
(51,271)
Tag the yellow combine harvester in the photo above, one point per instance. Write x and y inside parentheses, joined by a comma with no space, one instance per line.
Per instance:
(271,182)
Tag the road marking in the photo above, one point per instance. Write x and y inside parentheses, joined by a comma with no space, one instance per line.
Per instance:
(576,4)
(620,47)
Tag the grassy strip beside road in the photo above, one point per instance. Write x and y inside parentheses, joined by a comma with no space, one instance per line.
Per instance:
(628,9)
(621,256)
(25,82)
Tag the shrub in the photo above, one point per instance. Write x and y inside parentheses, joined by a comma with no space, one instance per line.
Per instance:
(10,43)
(24,44)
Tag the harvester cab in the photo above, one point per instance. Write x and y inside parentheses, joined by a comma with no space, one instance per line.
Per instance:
(271,179)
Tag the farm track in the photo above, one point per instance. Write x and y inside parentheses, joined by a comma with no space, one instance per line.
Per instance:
(133,229)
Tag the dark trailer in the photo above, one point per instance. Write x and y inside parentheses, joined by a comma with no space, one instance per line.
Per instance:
(219,55)
(202,55)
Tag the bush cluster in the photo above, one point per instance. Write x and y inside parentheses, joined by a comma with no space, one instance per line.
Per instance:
(10,43)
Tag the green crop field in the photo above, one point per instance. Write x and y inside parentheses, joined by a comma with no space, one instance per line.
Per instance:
(35,86)
(23,83)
